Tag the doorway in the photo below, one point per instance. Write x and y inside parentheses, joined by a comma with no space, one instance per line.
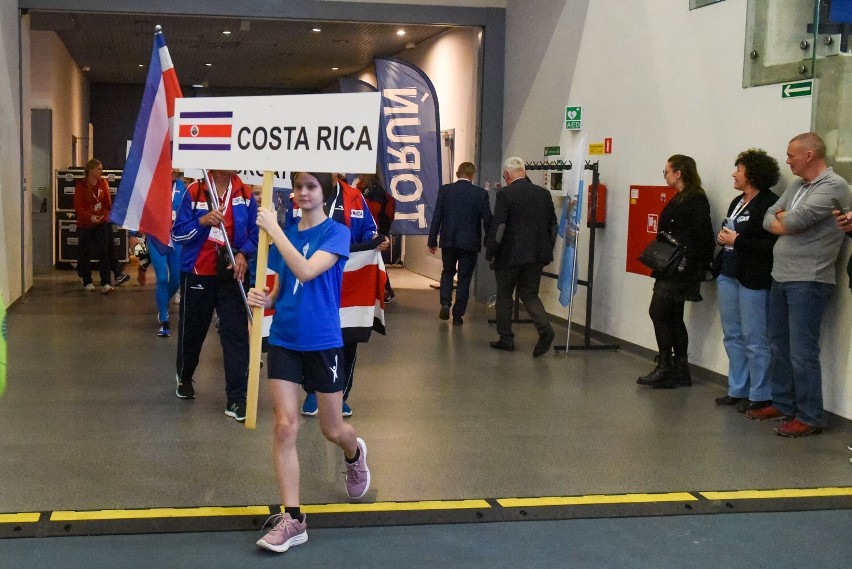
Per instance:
(41,142)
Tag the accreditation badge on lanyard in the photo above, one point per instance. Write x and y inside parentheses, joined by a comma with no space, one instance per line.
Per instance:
(217,234)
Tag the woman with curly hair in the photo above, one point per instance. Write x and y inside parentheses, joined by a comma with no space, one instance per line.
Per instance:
(743,266)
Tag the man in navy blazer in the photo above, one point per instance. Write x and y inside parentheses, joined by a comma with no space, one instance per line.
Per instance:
(462,212)
(519,245)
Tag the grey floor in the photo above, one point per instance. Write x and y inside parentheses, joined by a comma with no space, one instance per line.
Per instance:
(90,421)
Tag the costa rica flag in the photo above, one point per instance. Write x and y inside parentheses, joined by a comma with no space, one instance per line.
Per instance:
(210,130)
(143,201)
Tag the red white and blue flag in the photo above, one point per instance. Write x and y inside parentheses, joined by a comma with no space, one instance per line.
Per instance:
(210,130)
(143,201)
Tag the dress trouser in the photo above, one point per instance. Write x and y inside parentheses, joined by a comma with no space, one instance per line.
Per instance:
(527,278)
(95,242)
(453,257)
(199,296)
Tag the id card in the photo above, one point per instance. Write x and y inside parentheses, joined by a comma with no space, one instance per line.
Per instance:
(217,236)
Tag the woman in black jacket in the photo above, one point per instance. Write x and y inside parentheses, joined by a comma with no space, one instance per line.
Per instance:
(743,266)
(686,218)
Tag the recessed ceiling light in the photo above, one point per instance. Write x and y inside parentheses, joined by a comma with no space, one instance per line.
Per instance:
(400,32)
(317,30)
(198,86)
(141,65)
(335,68)
(226,32)
(209,64)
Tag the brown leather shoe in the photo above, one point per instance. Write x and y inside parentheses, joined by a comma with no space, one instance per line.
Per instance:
(795,428)
(765,414)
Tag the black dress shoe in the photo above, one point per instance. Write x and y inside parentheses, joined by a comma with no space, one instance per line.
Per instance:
(729,401)
(501,345)
(543,344)
(457,321)
(444,314)
(753,405)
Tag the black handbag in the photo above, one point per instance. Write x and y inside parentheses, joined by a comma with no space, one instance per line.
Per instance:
(666,258)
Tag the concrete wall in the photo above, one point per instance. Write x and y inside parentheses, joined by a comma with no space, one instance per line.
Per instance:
(658,79)
(11,204)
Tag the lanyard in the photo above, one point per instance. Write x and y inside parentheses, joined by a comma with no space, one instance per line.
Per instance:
(800,194)
(739,208)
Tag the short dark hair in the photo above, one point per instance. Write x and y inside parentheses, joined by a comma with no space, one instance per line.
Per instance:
(761,170)
(91,165)
(326,180)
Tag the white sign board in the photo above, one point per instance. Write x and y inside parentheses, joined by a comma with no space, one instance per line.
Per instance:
(315,133)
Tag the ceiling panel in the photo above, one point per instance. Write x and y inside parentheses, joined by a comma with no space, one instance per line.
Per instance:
(258,53)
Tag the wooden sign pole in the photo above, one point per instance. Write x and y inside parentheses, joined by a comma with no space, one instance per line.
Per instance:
(257,313)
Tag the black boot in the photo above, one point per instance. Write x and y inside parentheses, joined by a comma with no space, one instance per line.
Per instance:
(661,374)
(680,371)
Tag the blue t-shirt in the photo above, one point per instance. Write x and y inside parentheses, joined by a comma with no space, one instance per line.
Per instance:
(307,315)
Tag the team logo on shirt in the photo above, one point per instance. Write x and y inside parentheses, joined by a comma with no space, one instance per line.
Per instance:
(356,213)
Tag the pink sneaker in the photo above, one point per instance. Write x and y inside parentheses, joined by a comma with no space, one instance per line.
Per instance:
(285,532)
(357,474)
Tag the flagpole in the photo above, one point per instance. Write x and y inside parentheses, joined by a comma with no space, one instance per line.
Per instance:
(214,197)
(256,337)
(573,282)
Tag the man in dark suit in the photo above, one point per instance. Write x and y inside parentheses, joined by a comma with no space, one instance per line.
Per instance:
(519,245)
(461,213)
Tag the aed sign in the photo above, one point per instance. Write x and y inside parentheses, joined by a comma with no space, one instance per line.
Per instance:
(573,118)
(317,133)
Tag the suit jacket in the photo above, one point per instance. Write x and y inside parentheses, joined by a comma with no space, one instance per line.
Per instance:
(462,212)
(526,211)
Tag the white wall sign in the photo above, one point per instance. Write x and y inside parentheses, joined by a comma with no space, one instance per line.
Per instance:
(318,133)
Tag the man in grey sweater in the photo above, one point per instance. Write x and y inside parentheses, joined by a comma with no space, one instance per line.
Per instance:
(802,280)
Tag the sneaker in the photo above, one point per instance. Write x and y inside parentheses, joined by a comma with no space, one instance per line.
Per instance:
(389,296)
(766,413)
(357,474)
(286,532)
(309,407)
(121,279)
(795,428)
(164,330)
(237,411)
(89,287)
(184,388)
(106,289)
(347,410)
(444,314)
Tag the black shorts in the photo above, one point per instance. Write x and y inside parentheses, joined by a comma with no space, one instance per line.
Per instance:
(320,371)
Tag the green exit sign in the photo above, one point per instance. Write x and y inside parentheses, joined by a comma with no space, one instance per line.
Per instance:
(552,151)
(573,118)
(798,89)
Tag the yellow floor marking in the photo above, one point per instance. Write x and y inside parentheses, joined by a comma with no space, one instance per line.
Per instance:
(23,518)
(211,512)
(783,493)
(394,506)
(596,499)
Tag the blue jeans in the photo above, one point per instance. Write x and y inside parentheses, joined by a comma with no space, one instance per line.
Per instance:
(167,269)
(743,315)
(795,314)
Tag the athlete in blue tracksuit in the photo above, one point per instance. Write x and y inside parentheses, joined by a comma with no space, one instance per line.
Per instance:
(166,262)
